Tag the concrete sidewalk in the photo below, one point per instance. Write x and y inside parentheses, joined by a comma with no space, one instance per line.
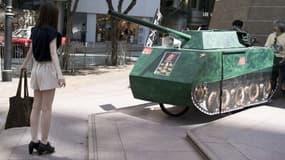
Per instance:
(254,134)
(119,136)
(143,133)
(83,95)
(124,128)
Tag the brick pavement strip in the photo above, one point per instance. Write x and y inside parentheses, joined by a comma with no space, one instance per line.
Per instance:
(91,139)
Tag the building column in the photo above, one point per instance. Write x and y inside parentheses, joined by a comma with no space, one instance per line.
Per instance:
(91,28)
(60,5)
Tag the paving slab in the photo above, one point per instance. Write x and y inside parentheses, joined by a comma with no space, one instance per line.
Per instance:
(131,138)
(254,134)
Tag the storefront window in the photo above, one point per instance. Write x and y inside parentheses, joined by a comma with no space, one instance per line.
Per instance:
(103,28)
(126,31)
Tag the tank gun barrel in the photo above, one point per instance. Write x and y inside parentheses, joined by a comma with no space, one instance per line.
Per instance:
(173,32)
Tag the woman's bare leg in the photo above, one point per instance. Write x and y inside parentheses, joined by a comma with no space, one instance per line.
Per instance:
(35,115)
(47,101)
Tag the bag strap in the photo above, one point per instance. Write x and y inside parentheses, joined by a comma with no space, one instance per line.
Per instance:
(26,90)
(19,90)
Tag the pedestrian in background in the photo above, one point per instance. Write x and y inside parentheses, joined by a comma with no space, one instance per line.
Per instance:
(237,25)
(83,33)
(244,37)
(276,41)
(46,75)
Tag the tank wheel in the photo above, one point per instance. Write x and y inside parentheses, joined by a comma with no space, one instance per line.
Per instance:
(199,93)
(267,89)
(212,101)
(226,98)
(253,92)
(174,112)
(239,96)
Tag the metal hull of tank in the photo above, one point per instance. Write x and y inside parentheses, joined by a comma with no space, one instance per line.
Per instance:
(172,75)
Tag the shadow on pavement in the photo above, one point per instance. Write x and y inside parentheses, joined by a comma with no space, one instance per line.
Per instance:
(67,135)
(96,69)
(152,112)
(23,149)
(278,100)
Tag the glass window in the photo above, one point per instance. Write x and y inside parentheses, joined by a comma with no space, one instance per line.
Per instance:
(127,31)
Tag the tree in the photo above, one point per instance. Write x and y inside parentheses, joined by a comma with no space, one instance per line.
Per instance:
(69,14)
(115,24)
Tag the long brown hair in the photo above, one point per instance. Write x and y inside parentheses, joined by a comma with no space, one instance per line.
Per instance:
(48,15)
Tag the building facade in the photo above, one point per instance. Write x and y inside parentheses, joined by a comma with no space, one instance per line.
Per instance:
(257,15)
(26,12)
(91,15)
(191,14)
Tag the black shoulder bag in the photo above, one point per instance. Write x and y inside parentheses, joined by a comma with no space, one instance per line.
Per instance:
(20,107)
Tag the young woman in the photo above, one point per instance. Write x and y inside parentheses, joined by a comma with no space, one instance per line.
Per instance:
(46,75)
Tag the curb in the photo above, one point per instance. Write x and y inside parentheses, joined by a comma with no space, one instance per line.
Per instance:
(91,138)
(202,148)
(3,117)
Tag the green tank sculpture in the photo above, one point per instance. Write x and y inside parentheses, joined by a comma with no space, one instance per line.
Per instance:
(211,70)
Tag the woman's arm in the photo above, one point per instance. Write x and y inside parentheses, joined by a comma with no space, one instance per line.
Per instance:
(28,58)
(55,61)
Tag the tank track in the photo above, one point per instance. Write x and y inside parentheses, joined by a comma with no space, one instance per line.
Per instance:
(237,93)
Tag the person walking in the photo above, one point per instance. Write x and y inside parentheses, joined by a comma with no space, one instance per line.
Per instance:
(46,75)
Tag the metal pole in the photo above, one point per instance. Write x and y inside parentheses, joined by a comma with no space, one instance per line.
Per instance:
(7,72)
